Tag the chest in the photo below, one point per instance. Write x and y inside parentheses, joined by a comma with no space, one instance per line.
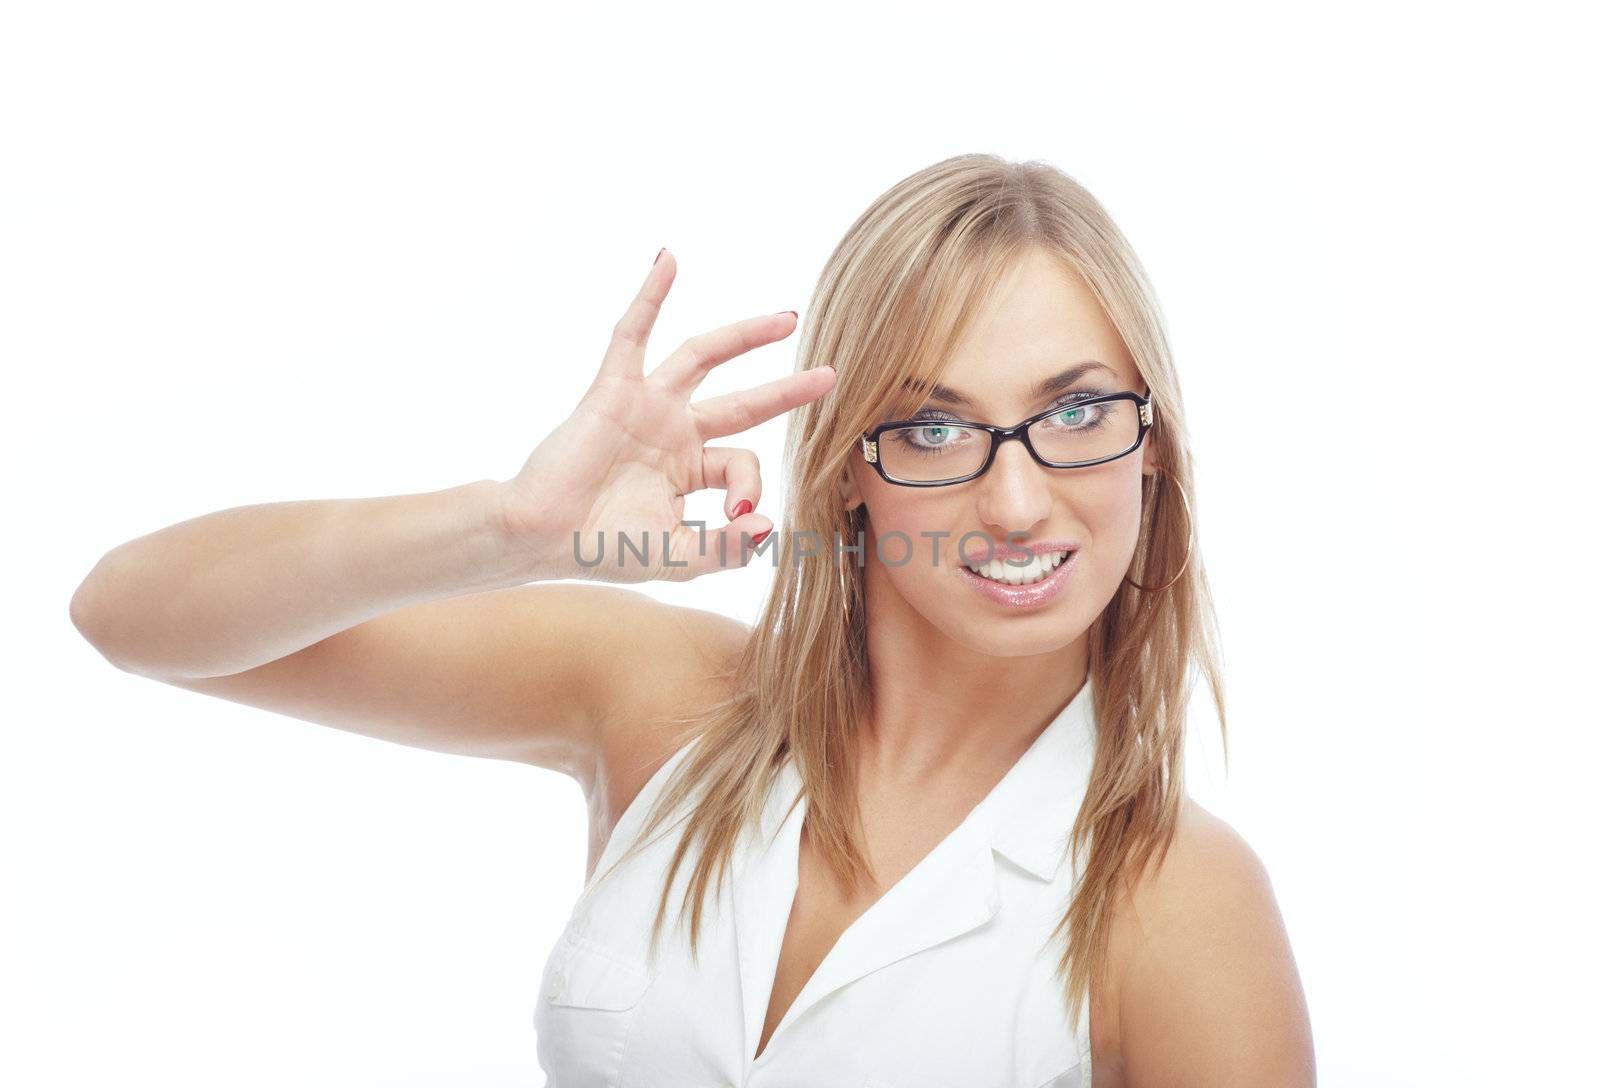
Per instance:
(823,908)
(934,974)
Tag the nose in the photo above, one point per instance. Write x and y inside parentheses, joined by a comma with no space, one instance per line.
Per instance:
(1014,495)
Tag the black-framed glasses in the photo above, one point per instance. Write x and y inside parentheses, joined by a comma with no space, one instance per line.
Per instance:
(937,452)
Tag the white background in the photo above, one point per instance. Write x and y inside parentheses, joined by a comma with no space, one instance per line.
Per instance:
(308,250)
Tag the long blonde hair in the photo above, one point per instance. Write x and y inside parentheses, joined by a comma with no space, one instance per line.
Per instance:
(895,296)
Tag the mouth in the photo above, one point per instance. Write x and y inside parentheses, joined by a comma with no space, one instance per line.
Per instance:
(1036,569)
(1023,586)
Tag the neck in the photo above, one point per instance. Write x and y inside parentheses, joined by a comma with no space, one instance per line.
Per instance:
(940,710)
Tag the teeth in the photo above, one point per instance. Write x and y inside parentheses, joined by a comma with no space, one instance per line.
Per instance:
(998,570)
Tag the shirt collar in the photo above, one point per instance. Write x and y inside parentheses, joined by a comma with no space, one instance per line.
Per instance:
(1029,814)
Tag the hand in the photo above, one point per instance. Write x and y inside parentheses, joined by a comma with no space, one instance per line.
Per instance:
(635,446)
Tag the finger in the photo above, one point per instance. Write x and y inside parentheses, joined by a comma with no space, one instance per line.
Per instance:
(624,357)
(687,367)
(731,413)
(736,471)
(731,546)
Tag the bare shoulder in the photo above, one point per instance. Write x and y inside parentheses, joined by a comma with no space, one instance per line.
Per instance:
(1204,985)
(673,664)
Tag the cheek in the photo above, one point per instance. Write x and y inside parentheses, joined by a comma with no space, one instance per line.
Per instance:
(901,538)
(1113,511)
(1108,507)
(904,525)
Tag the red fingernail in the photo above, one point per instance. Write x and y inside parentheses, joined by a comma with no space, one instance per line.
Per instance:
(744,507)
(659,252)
(760,537)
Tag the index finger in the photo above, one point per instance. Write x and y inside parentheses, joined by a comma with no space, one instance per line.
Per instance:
(624,357)
(686,368)
(731,413)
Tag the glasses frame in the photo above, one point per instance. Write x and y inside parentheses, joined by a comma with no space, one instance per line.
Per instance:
(869,439)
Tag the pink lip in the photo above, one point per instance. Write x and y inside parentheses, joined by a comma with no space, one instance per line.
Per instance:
(1022,596)
(979,553)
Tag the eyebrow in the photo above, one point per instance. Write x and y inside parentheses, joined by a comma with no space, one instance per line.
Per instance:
(1043,389)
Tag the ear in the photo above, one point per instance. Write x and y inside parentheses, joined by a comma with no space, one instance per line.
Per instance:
(848,491)
(1149,460)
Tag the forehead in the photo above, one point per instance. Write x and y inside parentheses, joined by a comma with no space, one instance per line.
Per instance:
(1042,319)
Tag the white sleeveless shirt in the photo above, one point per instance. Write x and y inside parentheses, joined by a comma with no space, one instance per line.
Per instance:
(946,981)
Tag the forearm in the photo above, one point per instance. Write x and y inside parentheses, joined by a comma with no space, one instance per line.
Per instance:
(237,588)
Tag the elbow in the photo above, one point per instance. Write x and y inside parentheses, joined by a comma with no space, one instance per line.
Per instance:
(80,609)
(88,615)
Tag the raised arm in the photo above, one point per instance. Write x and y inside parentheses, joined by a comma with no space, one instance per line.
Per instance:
(410,617)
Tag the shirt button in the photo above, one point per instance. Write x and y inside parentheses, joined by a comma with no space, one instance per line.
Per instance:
(557,981)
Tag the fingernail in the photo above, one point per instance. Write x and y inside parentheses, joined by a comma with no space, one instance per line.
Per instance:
(759,537)
(659,252)
(743,508)
(795,312)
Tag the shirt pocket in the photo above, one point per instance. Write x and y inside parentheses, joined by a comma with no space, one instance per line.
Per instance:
(589,1005)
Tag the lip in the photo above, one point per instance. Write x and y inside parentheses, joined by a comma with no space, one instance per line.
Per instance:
(997,550)
(1028,596)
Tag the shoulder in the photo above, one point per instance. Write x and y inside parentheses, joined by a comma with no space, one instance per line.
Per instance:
(1204,985)
(1209,867)
(674,663)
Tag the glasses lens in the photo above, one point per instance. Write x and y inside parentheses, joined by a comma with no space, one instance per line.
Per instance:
(1087,432)
(931,452)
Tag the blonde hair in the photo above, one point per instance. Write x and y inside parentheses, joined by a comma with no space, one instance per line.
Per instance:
(895,296)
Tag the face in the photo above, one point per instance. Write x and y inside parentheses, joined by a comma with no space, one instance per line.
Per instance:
(1041,321)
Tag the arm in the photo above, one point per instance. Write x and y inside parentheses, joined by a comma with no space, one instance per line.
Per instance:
(397,617)
(1207,993)
(228,591)
(409,617)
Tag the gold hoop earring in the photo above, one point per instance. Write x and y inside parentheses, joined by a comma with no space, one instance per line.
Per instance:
(844,590)
(1188,549)
(844,593)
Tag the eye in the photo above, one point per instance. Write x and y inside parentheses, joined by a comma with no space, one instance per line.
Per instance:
(933,438)
(1068,416)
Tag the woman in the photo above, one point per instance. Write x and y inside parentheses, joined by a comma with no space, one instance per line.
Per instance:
(925,824)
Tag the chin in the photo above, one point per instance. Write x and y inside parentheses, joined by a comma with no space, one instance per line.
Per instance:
(1029,638)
